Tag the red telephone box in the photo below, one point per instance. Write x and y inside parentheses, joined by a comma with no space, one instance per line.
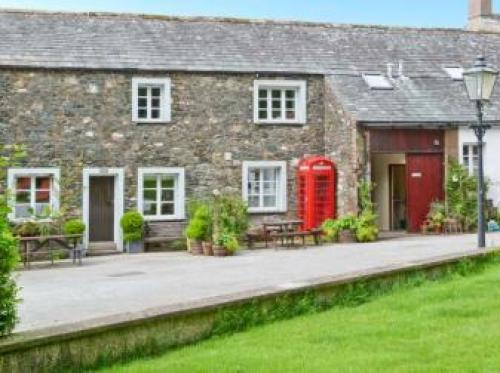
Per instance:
(316,191)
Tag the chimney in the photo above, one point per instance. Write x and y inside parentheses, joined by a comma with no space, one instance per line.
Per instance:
(479,8)
(481,17)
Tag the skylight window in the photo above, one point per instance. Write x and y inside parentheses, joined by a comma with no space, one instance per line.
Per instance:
(455,72)
(377,81)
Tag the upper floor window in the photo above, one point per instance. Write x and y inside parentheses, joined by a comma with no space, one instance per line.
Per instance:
(161,193)
(279,101)
(264,186)
(34,192)
(470,158)
(151,100)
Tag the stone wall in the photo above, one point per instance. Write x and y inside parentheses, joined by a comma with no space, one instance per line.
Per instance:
(76,119)
(344,144)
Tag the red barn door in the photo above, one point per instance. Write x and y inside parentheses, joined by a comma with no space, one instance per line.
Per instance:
(424,186)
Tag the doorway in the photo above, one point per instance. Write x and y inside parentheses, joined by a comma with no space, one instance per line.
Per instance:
(397,197)
(101,209)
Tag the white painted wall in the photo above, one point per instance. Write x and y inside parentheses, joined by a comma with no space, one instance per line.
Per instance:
(380,176)
(491,158)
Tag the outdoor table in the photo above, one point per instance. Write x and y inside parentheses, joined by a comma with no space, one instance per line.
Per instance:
(68,242)
(281,226)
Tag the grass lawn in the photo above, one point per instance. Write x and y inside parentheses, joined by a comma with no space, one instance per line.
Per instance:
(444,326)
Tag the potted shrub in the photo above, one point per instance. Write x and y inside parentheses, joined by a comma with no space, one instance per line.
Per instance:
(132,224)
(366,227)
(330,229)
(226,244)
(203,214)
(347,229)
(74,227)
(28,228)
(196,233)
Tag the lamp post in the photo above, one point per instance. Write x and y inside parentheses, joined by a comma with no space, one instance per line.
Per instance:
(479,82)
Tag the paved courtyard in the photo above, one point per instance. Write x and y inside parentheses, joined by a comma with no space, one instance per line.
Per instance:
(109,286)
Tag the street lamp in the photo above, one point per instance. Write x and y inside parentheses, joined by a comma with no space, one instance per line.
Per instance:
(479,82)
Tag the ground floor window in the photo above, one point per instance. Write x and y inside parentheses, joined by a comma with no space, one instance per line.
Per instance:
(264,186)
(470,158)
(161,193)
(34,192)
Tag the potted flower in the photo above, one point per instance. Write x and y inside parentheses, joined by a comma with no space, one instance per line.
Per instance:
(28,228)
(196,233)
(132,224)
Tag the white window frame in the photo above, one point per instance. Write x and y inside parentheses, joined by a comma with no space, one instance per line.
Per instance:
(165,99)
(281,202)
(180,194)
(470,145)
(301,100)
(14,173)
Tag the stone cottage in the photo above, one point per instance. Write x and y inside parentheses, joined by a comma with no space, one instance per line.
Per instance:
(123,111)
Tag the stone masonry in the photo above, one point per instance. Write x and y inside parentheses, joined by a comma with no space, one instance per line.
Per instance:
(76,119)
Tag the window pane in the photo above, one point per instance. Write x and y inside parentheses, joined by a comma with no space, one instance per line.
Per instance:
(167,209)
(269,201)
(290,104)
(276,104)
(23,183)
(270,188)
(262,104)
(150,195)
(42,196)
(142,113)
(253,201)
(23,211)
(290,93)
(254,174)
(269,174)
(142,102)
(262,114)
(155,114)
(276,93)
(167,195)
(167,181)
(149,208)
(143,91)
(466,150)
(475,150)
(290,115)
(155,91)
(42,208)
(43,183)
(22,197)
(276,114)
(155,102)
(149,182)
(262,93)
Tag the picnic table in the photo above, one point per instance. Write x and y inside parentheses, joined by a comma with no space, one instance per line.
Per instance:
(31,245)
(287,230)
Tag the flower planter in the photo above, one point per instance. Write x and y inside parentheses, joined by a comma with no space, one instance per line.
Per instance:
(346,236)
(221,251)
(136,247)
(196,247)
(207,248)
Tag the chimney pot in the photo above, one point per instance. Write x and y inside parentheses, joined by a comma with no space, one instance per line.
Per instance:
(480,8)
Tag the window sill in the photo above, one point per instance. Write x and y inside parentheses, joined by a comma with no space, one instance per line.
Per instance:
(281,124)
(151,122)
(164,218)
(264,211)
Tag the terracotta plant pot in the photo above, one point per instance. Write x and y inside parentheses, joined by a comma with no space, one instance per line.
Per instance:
(196,247)
(220,251)
(346,236)
(207,248)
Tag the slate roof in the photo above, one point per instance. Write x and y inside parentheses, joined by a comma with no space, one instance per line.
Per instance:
(343,52)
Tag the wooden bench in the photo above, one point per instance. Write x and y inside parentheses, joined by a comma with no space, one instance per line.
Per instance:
(162,232)
(288,238)
(31,246)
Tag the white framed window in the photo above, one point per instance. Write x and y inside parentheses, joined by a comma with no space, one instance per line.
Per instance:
(161,194)
(377,82)
(280,101)
(265,186)
(151,101)
(455,72)
(34,192)
(470,158)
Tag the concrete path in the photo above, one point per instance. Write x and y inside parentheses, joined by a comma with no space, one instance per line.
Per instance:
(115,285)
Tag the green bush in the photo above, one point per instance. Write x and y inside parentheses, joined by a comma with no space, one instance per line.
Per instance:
(9,257)
(366,227)
(74,226)
(200,225)
(330,230)
(230,220)
(229,241)
(132,224)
